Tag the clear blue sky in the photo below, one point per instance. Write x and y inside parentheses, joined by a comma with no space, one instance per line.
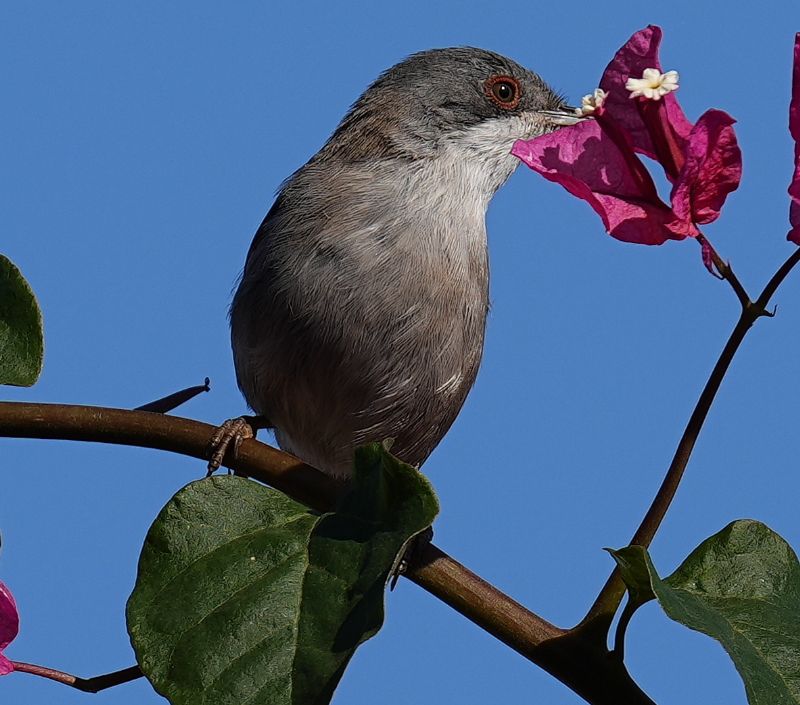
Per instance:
(141,145)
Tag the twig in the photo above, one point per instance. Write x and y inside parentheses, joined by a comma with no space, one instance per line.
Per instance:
(726,272)
(622,627)
(777,279)
(612,592)
(576,657)
(87,685)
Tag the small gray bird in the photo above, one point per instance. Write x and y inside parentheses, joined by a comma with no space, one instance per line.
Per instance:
(361,310)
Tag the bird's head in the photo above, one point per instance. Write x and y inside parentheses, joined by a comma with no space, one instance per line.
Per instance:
(463,103)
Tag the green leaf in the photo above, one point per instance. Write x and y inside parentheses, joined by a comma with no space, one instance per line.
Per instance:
(21,338)
(741,587)
(245,596)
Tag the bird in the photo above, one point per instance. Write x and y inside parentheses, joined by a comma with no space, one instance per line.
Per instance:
(361,310)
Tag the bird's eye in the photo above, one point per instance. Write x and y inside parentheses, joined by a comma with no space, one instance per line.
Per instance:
(503,91)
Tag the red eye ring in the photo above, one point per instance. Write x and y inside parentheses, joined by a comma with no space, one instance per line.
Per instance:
(503,91)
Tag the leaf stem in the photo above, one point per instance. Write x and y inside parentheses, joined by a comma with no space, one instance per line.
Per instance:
(87,685)
(612,592)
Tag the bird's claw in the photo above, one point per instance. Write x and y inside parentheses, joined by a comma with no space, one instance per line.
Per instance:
(233,430)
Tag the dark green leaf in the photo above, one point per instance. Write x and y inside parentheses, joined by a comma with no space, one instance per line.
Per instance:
(245,596)
(21,339)
(741,587)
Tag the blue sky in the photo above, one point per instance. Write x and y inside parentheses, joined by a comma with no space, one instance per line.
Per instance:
(141,146)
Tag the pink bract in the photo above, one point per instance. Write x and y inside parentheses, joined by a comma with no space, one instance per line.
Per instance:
(596,160)
(794,128)
(639,53)
(594,168)
(9,626)
(712,169)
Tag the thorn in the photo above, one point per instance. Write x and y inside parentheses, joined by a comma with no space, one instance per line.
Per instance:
(399,569)
(765,313)
(173,401)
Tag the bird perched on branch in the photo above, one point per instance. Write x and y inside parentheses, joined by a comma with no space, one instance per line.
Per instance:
(361,310)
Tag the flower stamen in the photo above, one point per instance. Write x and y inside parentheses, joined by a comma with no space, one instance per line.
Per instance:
(591,103)
(653,84)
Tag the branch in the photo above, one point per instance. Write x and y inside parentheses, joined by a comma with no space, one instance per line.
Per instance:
(578,657)
(170,433)
(613,591)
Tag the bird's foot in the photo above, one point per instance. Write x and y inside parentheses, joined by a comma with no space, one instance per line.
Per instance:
(409,555)
(232,431)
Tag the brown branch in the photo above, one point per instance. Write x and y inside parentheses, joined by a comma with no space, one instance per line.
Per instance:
(579,657)
(613,591)
(170,433)
(87,685)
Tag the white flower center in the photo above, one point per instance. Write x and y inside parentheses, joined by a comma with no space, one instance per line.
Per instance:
(591,102)
(653,84)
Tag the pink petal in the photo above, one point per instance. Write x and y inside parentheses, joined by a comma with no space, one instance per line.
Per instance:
(592,166)
(640,53)
(713,168)
(794,128)
(9,617)
(6,666)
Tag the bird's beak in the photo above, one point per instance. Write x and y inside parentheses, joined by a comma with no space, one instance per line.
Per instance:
(563,117)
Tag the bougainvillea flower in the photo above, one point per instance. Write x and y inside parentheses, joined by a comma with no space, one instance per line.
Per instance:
(794,128)
(9,626)
(635,112)
(606,175)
